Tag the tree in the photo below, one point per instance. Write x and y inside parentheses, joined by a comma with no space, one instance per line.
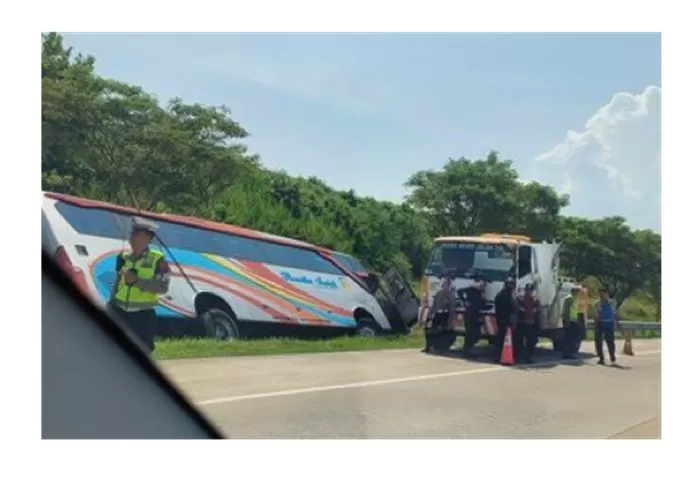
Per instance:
(107,139)
(68,87)
(475,196)
(621,259)
(655,291)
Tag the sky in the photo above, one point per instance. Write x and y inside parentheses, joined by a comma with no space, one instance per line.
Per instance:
(580,112)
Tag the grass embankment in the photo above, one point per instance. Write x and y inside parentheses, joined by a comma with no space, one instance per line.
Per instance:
(194,348)
(200,348)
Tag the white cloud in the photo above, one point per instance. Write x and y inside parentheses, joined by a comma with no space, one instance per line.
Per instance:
(613,165)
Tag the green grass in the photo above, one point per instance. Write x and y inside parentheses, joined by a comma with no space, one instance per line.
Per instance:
(194,348)
(200,348)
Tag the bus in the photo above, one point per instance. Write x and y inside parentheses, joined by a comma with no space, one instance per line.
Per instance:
(227,282)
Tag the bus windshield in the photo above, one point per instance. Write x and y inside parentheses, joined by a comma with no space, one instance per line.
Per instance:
(349,262)
(494,262)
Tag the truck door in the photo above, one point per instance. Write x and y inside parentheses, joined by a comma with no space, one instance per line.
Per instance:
(547,256)
(402,295)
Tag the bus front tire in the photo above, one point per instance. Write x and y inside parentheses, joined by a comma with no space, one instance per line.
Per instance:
(220,325)
(367,328)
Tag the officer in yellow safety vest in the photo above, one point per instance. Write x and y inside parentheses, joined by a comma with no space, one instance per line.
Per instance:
(573,322)
(142,276)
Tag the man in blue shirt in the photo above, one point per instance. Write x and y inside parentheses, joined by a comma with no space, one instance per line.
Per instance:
(605,323)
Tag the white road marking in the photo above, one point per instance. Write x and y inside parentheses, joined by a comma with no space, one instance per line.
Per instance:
(414,378)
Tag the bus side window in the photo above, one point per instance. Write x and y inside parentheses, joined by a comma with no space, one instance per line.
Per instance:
(95,222)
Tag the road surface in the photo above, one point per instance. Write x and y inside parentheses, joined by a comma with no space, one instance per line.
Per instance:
(407,394)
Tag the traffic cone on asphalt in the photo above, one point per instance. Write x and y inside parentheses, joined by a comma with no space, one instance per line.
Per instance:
(507,352)
(627,347)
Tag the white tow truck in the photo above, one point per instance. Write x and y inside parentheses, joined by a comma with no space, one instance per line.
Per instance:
(496,258)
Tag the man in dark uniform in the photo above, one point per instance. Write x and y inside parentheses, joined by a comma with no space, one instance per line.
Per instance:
(526,331)
(438,332)
(506,309)
(474,303)
(142,276)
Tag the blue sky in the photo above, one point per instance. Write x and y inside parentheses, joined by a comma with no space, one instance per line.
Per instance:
(366,111)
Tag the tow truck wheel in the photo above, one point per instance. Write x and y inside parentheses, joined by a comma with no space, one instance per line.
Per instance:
(558,344)
(576,346)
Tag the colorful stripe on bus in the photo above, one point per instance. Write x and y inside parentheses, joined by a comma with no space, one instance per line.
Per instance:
(252,282)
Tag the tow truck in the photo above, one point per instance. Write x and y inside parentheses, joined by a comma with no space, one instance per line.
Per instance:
(496,257)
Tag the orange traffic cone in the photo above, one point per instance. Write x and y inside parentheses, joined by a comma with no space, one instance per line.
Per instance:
(507,351)
(627,347)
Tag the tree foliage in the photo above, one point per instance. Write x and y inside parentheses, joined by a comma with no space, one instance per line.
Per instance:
(607,249)
(110,140)
(475,196)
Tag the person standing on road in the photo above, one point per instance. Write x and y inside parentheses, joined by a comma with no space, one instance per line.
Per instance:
(526,331)
(474,301)
(142,276)
(506,310)
(606,320)
(570,319)
(440,316)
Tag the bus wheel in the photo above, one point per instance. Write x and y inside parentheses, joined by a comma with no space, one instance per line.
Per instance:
(220,325)
(367,328)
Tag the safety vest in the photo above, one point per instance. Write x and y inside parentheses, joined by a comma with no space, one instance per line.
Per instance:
(574,308)
(573,314)
(132,299)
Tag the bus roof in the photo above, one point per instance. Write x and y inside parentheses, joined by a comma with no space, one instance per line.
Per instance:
(485,239)
(185,220)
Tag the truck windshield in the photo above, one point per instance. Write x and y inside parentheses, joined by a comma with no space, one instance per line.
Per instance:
(494,262)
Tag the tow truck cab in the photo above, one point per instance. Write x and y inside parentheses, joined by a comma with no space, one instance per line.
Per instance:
(496,258)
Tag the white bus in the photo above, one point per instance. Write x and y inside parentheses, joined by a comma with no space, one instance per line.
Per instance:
(227,281)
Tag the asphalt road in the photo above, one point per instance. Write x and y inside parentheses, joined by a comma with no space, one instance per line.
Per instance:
(407,394)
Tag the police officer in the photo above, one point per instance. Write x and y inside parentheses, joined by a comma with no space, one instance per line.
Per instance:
(474,301)
(506,310)
(142,276)
(440,317)
(572,320)
(526,331)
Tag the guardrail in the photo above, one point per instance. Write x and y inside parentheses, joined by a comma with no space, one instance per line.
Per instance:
(635,328)
(634,325)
